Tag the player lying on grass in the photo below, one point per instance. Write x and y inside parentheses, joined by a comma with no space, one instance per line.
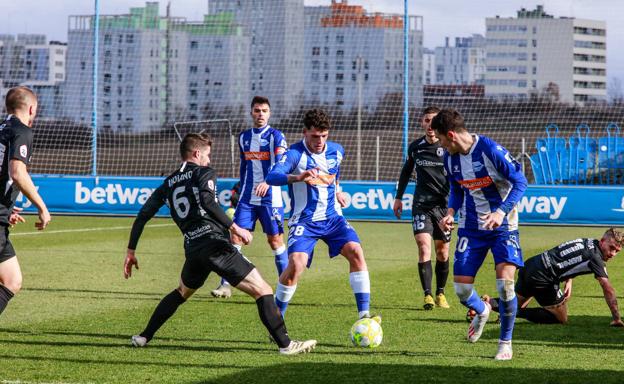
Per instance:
(190,194)
(541,275)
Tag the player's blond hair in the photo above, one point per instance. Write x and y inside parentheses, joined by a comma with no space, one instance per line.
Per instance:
(616,235)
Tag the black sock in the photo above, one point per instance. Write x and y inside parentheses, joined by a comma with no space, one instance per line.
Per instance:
(272,320)
(441,272)
(5,296)
(537,315)
(164,310)
(425,273)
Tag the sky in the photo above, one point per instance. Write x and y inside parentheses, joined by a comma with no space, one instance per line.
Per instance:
(49,17)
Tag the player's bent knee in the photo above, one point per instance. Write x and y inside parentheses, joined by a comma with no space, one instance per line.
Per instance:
(463,291)
(505,289)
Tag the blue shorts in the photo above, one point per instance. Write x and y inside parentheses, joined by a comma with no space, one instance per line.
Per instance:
(271,218)
(335,232)
(472,247)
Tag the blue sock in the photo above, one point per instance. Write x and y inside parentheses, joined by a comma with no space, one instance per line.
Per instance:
(507,311)
(223,281)
(281,259)
(475,302)
(283,294)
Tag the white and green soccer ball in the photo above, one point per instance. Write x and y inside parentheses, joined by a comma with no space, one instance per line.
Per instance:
(366,333)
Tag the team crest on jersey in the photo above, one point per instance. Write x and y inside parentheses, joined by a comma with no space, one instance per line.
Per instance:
(477,166)
(440,152)
(455,168)
(23,150)
(331,163)
(264,142)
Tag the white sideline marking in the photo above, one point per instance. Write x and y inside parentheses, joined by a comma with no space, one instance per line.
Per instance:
(35,382)
(82,230)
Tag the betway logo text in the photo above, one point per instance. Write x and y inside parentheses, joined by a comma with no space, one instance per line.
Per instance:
(111,194)
(550,205)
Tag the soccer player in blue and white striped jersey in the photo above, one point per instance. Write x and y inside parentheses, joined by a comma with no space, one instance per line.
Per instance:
(486,184)
(260,148)
(311,169)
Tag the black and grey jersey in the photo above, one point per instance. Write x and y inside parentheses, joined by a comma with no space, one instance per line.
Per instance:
(573,258)
(191,195)
(15,143)
(432,187)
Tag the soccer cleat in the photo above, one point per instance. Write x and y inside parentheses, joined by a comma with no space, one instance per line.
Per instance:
(428,303)
(440,301)
(504,351)
(139,341)
(478,323)
(377,318)
(297,347)
(224,291)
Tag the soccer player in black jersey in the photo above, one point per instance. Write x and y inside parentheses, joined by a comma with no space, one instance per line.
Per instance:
(541,275)
(15,151)
(190,193)
(429,205)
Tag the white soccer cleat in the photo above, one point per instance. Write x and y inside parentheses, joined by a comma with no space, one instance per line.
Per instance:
(478,323)
(297,347)
(504,351)
(139,341)
(224,291)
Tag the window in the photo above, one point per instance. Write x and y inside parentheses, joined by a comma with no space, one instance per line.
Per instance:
(339,91)
(193,69)
(316,51)
(339,77)
(130,38)
(339,39)
(340,53)
(194,44)
(534,56)
(316,64)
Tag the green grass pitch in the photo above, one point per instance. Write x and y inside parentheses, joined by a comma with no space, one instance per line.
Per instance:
(73,320)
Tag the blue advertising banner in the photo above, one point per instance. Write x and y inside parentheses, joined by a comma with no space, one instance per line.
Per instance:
(365,200)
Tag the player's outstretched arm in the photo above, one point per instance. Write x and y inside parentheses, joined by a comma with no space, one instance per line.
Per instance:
(24,183)
(611,299)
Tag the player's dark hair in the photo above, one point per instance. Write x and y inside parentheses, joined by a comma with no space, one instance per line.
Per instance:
(18,98)
(318,119)
(193,142)
(431,109)
(260,100)
(616,235)
(448,120)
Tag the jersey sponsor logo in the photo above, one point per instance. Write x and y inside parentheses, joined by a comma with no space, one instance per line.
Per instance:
(428,163)
(477,183)
(574,248)
(477,166)
(23,150)
(572,261)
(257,155)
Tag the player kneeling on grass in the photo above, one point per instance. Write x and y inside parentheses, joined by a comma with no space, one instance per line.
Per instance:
(541,275)
(190,193)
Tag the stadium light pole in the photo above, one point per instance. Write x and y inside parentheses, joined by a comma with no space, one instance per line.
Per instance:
(96,44)
(405,79)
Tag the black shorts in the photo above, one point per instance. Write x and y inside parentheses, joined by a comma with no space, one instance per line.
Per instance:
(219,256)
(426,221)
(6,248)
(533,281)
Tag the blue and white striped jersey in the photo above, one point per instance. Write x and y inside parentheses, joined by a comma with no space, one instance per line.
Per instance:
(487,179)
(315,202)
(258,152)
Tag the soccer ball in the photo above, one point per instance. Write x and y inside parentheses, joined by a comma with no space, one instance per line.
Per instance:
(366,333)
(230,213)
